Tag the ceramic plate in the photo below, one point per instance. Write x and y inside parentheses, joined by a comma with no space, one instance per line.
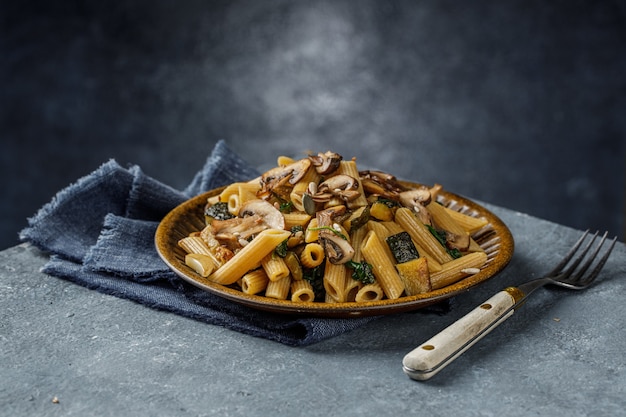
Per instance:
(495,238)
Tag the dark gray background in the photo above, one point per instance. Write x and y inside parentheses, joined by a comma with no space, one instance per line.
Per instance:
(518,103)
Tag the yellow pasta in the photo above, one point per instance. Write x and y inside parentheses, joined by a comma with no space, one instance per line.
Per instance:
(369,292)
(195,244)
(382,266)
(296,218)
(457,269)
(249,256)
(254,282)
(274,266)
(302,186)
(444,221)
(421,235)
(335,281)
(312,255)
(311,234)
(302,291)
(469,223)
(278,289)
(350,168)
(236,200)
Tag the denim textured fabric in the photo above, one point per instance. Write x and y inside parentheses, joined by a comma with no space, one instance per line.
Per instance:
(99,233)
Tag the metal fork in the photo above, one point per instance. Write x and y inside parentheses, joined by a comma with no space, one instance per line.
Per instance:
(433,355)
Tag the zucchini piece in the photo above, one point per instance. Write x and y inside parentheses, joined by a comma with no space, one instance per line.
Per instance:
(402,247)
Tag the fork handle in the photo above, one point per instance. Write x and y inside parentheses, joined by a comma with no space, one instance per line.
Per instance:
(432,356)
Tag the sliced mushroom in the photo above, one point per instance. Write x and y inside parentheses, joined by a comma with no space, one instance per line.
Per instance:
(280,176)
(419,195)
(336,246)
(234,232)
(342,186)
(326,163)
(270,214)
(381,183)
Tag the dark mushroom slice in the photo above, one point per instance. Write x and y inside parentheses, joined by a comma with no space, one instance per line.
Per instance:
(342,186)
(326,163)
(280,176)
(336,246)
(381,183)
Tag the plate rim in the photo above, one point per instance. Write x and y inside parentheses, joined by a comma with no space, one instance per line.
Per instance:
(166,233)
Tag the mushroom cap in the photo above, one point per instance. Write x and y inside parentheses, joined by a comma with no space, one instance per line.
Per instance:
(270,214)
(326,163)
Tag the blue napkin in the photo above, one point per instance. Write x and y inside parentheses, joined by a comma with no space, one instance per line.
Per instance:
(99,233)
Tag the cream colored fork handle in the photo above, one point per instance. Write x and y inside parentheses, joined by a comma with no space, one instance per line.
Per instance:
(433,355)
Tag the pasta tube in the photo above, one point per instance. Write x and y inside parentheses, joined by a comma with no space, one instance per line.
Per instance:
(335,281)
(278,289)
(469,223)
(254,282)
(249,256)
(312,255)
(382,266)
(274,266)
(457,269)
(369,292)
(350,168)
(302,291)
(421,235)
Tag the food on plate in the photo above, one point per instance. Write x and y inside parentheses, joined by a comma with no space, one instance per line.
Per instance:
(317,229)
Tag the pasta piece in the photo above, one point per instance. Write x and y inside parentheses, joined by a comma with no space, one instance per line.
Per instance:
(352,288)
(249,256)
(254,282)
(421,235)
(470,224)
(301,187)
(357,237)
(296,218)
(457,236)
(335,281)
(457,269)
(382,266)
(278,289)
(302,291)
(195,244)
(235,187)
(369,292)
(310,234)
(312,255)
(350,168)
(237,200)
(415,276)
(274,266)
(283,161)
(292,262)
(433,265)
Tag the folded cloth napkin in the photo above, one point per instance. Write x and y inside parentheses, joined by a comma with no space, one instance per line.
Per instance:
(100,234)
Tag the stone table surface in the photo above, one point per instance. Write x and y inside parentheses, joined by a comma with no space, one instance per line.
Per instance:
(69,351)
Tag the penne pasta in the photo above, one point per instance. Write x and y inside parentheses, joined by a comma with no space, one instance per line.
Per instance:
(421,235)
(296,218)
(254,282)
(383,267)
(350,168)
(469,223)
(335,281)
(457,236)
(274,266)
(278,289)
(302,291)
(312,255)
(249,256)
(457,269)
(369,292)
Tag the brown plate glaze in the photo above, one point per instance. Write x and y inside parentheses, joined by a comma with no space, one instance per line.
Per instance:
(495,238)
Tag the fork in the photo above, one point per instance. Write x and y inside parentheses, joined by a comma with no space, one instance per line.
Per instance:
(432,356)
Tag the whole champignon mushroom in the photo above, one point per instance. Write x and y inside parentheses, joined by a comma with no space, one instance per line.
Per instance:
(336,247)
(326,163)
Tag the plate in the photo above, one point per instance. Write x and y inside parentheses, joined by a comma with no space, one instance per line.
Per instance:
(495,238)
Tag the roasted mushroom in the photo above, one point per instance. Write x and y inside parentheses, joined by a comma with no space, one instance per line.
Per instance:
(342,186)
(280,176)
(326,163)
(417,199)
(270,214)
(381,184)
(336,245)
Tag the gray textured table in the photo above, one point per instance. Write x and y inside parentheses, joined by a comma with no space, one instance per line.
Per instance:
(68,351)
